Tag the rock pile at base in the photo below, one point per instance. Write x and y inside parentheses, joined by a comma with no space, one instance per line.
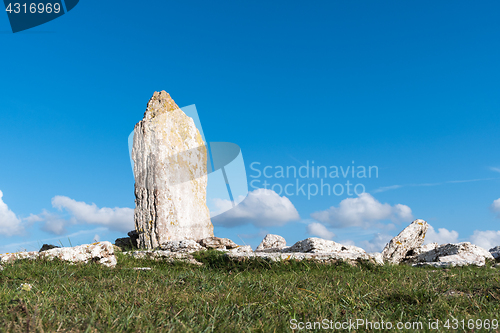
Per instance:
(102,253)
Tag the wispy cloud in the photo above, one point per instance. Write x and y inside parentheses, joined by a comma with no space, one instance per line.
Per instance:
(494,169)
(394,187)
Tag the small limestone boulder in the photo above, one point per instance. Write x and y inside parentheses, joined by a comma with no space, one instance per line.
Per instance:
(46,247)
(495,252)
(271,242)
(217,243)
(241,249)
(459,254)
(185,246)
(102,252)
(319,245)
(404,244)
(377,258)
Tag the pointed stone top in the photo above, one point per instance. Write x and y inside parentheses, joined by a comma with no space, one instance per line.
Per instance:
(161,102)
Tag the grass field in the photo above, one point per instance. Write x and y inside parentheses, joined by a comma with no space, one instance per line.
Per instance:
(249,296)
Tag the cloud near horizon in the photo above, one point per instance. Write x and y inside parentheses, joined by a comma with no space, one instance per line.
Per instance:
(442,236)
(362,211)
(319,230)
(10,224)
(262,208)
(119,219)
(486,239)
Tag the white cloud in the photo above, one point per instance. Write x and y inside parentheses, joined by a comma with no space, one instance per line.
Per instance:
(485,239)
(362,212)
(120,219)
(377,243)
(495,206)
(262,208)
(53,223)
(442,236)
(10,224)
(317,229)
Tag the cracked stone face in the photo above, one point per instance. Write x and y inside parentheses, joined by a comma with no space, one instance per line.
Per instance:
(170,169)
(404,244)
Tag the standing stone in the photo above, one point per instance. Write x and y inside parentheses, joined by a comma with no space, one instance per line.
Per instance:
(404,244)
(170,169)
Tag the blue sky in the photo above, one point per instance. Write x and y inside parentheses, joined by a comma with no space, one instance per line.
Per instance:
(409,87)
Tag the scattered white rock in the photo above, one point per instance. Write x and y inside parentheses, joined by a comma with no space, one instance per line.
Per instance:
(324,257)
(187,245)
(271,243)
(459,254)
(241,249)
(218,243)
(405,243)
(495,252)
(377,258)
(101,252)
(319,245)
(164,255)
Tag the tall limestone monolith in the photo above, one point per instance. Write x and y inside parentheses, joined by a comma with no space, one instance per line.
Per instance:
(170,169)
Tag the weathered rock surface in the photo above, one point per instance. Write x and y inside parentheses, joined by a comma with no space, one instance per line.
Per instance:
(46,247)
(323,257)
(187,245)
(377,258)
(419,250)
(459,254)
(319,245)
(241,249)
(271,243)
(102,253)
(405,243)
(495,252)
(218,243)
(170,169)
(167,256)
